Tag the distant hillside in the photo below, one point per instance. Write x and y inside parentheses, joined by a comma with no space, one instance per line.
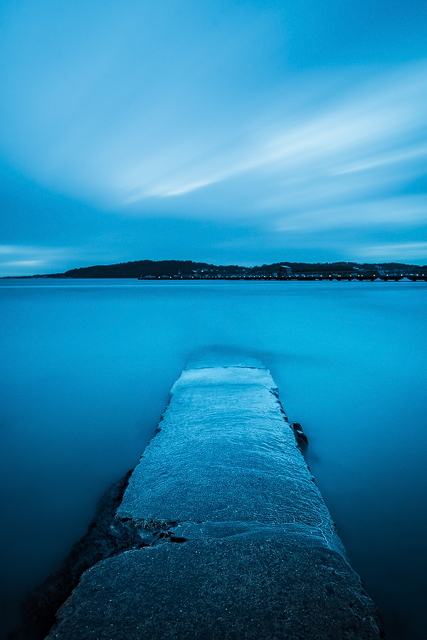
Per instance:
(137,269)
(188,268)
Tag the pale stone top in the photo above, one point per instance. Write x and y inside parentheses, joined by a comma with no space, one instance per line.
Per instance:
(225,453)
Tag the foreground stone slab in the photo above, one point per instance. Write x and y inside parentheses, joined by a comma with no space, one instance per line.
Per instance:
(236,540)
(261,585)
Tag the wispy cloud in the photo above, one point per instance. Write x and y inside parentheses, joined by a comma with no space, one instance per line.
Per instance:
(16,260)
(400,211)
(394,251)
(297,143)
(374,129)
(416,153)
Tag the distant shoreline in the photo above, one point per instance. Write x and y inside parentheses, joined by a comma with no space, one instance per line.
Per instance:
(295,278)
(189,270)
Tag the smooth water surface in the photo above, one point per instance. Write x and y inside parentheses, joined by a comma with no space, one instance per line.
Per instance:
(85,372)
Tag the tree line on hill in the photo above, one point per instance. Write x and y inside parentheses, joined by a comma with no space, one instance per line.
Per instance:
(188,269)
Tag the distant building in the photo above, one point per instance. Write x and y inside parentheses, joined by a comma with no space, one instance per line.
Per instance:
(285,271)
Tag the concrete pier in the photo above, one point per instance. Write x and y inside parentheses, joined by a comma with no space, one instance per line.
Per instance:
(235,538)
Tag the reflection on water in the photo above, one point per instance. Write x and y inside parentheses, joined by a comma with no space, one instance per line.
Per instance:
(85,373)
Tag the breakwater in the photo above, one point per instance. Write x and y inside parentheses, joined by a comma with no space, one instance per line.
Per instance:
(232,537)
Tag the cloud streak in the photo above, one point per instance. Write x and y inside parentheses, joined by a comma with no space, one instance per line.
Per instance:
(394,251)
(367,132)
(17,260)
(395,212)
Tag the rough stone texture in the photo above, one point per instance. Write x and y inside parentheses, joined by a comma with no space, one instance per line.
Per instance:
(239,541)
(255,586)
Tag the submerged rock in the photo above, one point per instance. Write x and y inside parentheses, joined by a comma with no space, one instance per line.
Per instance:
(105,537)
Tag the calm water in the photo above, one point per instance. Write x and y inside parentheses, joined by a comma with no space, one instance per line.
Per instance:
(85,371)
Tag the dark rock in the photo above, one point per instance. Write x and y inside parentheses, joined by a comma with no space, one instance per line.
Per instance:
(105,537)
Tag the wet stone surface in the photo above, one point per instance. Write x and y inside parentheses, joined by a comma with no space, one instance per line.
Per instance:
(225,453)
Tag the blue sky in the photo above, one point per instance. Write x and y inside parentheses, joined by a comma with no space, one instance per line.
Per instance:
(220,131)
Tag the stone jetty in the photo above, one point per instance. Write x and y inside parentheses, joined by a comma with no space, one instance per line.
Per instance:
(235,540)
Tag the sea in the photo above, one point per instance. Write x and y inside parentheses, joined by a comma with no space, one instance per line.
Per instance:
(86,367)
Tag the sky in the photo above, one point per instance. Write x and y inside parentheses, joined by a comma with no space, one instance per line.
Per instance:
(220,131)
